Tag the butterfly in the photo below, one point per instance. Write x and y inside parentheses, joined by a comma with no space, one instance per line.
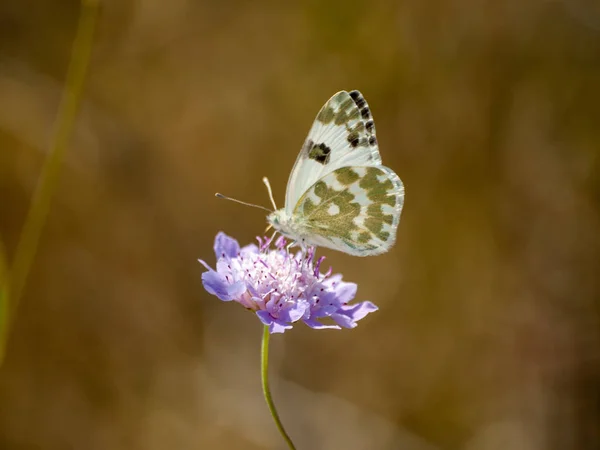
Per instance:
(339,195)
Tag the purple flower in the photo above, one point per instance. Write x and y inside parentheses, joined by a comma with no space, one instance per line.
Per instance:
(282,288)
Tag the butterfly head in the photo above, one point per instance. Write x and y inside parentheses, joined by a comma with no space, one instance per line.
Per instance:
(278,219)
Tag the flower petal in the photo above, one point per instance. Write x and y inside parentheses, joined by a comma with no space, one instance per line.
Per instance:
(343,320)
(293,311)
(216,284)
(324,311)
(345,291)
(265,317)
(226,246)
(275,326)
(348,315)
(318,325)
(248,250)
(333,279)
(235,290)
(279,327)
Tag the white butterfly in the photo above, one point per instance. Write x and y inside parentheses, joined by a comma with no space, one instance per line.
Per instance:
(339,195)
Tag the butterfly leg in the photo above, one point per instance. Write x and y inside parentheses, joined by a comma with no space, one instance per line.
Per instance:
(272,238)
(290,245)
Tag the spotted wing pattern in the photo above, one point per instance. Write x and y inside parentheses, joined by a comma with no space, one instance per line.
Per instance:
(355,210)
(342,135)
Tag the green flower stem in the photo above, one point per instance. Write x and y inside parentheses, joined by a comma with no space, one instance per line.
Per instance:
(3,264)
(264,374)
(3,299)
(4,311)
(40,204)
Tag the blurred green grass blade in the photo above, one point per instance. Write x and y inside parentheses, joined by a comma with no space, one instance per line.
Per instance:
(47,184)
(40,204)
(3,264)
(4,309)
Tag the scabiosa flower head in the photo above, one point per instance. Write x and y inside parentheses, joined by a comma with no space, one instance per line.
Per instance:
(282,288)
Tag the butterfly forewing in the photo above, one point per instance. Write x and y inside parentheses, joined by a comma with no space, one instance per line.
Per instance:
(352,209)
(342,135)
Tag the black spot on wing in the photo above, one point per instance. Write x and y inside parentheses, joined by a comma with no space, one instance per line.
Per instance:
(370,125)
(355,94)
(365,113)
(359,100)
(372,140)
(353,139)
(320,153)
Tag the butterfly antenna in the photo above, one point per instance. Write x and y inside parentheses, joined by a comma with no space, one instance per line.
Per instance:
(268,185)
(241,202)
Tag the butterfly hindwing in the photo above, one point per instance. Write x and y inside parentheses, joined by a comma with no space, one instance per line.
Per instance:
(342,135)
(353,209)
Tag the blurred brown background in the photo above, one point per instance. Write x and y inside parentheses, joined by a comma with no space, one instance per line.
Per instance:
(488,333)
